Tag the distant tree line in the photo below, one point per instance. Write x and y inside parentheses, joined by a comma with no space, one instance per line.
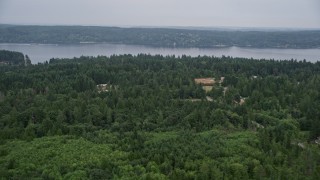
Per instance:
(13,58)
(164,37)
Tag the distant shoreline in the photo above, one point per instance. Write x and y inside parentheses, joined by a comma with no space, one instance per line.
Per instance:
(108,43)
(161,37)
(42,52)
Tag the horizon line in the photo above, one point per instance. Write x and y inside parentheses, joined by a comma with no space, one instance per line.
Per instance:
(173,27)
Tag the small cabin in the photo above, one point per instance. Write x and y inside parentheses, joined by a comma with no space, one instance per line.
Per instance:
(221,80)
(103,88)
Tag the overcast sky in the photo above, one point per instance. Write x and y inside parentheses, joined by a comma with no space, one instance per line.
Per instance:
(213,13)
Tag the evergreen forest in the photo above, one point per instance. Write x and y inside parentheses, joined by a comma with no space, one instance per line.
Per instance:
(145,117)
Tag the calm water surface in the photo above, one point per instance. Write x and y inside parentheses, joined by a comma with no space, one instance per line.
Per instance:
(42,53)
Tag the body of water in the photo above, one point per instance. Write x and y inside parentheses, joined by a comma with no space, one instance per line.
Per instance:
(44,52)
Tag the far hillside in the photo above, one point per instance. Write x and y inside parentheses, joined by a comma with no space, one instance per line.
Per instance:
(160,37)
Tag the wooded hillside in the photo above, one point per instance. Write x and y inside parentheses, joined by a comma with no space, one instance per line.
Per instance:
(55,122)
(161,37)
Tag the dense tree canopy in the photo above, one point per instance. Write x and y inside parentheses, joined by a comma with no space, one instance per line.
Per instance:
(148,119)
(13,58)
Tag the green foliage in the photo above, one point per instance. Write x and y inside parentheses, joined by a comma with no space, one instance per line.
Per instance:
(153,122)
(56,157)
(12,57)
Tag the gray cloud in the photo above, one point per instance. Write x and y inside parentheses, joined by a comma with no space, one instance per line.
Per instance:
(241,13)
